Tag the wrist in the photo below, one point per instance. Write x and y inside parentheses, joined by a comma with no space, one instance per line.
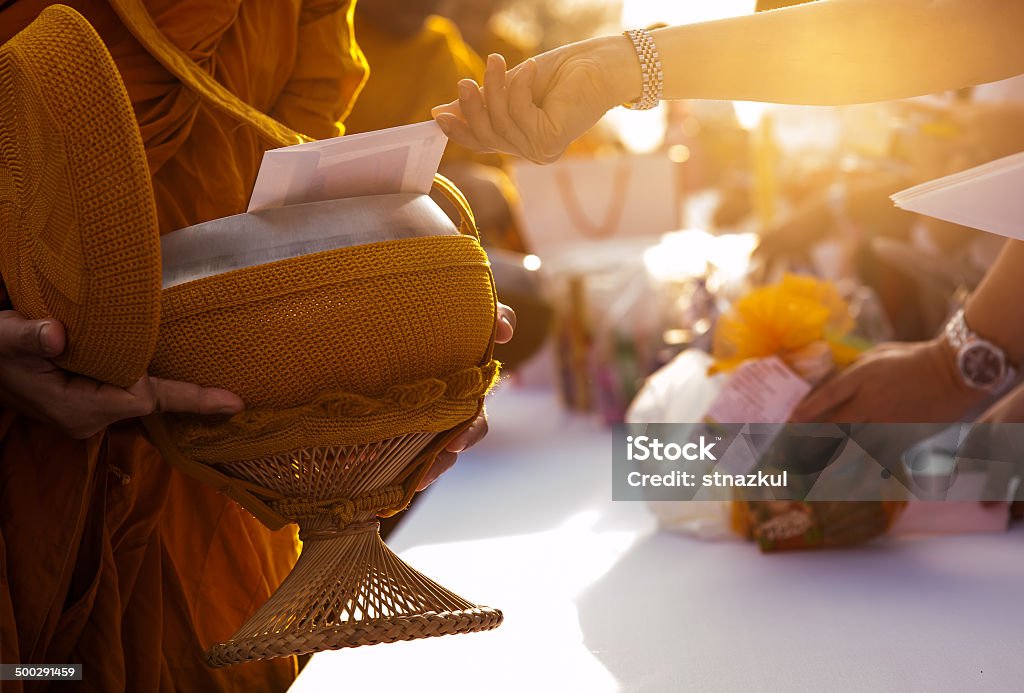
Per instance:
(620,65)
(996,329)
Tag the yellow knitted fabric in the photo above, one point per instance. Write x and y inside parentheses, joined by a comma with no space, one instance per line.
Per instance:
(341,347)
(78,229)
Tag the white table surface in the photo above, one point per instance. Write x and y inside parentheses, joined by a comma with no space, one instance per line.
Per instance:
(596,600)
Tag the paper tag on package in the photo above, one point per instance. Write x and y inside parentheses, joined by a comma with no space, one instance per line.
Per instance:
(759,391)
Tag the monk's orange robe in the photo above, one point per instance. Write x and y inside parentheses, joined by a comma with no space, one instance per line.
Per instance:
(107,556)
(514,51)
(410,75)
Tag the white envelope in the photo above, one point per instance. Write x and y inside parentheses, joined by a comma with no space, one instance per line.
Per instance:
(989,197)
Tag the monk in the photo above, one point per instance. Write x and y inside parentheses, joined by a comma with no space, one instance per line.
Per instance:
(108,557)
(477,22)
(416,57)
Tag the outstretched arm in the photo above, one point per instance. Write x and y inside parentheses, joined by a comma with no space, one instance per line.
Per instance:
(845,51)
(828,52)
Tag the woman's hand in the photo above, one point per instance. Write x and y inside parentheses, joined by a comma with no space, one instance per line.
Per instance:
(1008,410)
(893,383)
(81,407)
(478,429)
(997,438)
(539,107)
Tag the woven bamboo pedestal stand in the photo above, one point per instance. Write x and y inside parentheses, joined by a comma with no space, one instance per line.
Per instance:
(348,588)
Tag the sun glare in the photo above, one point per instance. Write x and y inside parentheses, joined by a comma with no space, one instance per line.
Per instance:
(643,131)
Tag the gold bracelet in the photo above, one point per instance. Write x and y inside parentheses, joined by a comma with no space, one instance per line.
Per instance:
(650,70)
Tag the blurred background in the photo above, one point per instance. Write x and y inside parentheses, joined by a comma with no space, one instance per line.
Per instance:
(620,261)
(623,254)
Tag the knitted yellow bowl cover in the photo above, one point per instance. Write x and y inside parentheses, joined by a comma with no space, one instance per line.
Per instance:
(78,230)
(341,347)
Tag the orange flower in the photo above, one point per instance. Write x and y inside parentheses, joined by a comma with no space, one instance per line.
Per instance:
(783,320)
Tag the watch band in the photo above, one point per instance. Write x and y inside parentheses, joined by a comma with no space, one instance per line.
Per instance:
(957,332)
(650,70)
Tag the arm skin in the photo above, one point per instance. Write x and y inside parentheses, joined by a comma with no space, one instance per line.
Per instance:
(995,309)
(845,51)
(829,52)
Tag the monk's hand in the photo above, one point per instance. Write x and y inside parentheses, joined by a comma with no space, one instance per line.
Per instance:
(31,384)
(506,324)
(447,457)
(478,429)
(893,383)
(538,108)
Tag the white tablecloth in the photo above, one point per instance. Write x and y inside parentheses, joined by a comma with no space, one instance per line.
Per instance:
(596,600)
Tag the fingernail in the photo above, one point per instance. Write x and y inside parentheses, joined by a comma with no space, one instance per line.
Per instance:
(509,330)
(44,336)
(446,123)
(466,87)
(427,479)
(229,409)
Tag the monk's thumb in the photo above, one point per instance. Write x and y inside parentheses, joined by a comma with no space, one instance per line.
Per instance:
(21,337)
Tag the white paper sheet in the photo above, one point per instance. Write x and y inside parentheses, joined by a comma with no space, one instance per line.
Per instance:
(396,160)
(989,197)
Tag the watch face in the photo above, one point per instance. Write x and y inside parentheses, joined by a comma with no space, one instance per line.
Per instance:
(981,364)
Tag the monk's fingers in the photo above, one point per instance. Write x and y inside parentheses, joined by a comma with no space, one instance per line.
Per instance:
(469,437)
(447,457)
(21,337)
(497,99)
(506,324)
(442,463)
(176,396)
(82,407)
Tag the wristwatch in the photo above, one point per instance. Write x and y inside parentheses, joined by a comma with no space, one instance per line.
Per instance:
(981,363)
